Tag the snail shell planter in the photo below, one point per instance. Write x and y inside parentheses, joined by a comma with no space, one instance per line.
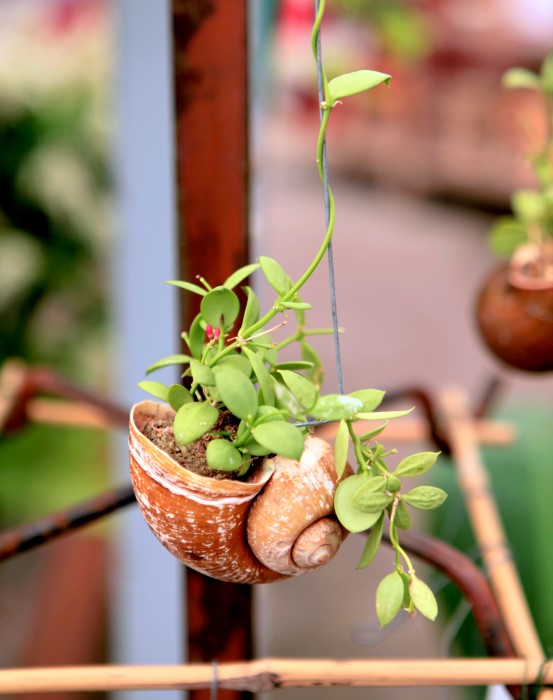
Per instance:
(514,311)
(276,524)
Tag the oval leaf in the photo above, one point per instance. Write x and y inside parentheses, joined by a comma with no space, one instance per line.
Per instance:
(416,464)
(240,275)
(285,400)
(341,444)
(402,517)
(372,544)
(347,513)
(389,598)
(194,420)
(301,387)
(276,277)
(188,286)
(371,398)
(520,78)
(157,389)
(281,438)
(237,392)
(507,235)
(299,364)
(262,374)
(423,599)
(237,362)
(168,362)
(353,83)
(202,374)
(222,455)
(178,396)
(425,497)
(336,407)
(371,501)
(383,415)
(196,337)
(251,312)
(220,307)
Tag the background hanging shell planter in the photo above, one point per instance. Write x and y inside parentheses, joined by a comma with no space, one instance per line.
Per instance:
(278,523)
(515,318)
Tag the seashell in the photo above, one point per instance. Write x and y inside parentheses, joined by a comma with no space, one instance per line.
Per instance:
(278,523)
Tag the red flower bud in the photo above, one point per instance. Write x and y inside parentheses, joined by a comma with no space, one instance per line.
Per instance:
(216,333)
(209,331)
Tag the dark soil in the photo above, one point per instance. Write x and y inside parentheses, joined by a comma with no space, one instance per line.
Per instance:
(192,456)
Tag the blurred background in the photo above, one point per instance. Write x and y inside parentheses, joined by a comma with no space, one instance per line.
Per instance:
(419,171)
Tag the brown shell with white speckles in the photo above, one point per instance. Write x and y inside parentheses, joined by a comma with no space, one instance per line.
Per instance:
(279,523)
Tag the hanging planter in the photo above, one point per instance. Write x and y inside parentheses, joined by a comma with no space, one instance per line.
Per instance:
(514,309)
(229,476)
(276,523)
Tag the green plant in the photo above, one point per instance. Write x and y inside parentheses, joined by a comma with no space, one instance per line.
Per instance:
(270,405)
(531,221)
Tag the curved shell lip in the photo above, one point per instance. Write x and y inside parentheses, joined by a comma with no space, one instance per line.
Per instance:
(179,474)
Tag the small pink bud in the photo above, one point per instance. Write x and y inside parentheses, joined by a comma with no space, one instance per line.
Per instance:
(216,333)
(209,331)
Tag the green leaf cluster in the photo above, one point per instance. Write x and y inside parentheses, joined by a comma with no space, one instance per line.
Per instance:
(532,209)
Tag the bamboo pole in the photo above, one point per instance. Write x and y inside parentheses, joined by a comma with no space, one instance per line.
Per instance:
(271,674)
(488,529)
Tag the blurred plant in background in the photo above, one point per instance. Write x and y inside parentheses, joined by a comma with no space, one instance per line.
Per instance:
(54,184)
(55,201)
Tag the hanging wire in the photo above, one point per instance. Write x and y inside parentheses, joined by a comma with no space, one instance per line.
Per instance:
(330,254)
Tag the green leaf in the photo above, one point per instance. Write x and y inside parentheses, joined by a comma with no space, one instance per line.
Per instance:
(372,544)
(371,501)
(546,73)
(251,312)
(336,407)
(254,448)
(262,374)
(365,437)
(240,275)
(520,78)
(393,484)
(196,337)
(237,362)
(528,205)
(168,362)
(383,415)
(202,374)
(389,598)
(301,387)
(157,389)
(298,364)
(506,235)
(348,514)
(222,455)
(416,464)
(309,354)
(296,305)
(237,392)
(276,277)
(220,307)
(285,400)
(423,598)
(353,83)
(371,398)
(194,420)
(425,497)
(178,395)
(281,438)
(188,286)
(402,517)
(341,444)
(267,413)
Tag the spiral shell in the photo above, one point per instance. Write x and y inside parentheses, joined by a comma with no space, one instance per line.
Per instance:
(277,524)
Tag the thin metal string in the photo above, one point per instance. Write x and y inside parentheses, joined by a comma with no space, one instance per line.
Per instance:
(214,692)
(330,255)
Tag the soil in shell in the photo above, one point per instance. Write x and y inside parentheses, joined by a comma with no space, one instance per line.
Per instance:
(192,456)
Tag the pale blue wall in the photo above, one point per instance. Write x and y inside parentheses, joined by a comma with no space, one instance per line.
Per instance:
(147,610)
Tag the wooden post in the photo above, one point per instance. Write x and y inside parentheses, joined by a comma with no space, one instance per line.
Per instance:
(211,102)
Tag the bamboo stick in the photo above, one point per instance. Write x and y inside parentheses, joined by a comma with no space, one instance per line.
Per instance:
(488,529)
(69,413)
(416,430)
(270,674)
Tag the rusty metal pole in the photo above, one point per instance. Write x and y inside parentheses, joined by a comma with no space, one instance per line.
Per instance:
(210,56)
